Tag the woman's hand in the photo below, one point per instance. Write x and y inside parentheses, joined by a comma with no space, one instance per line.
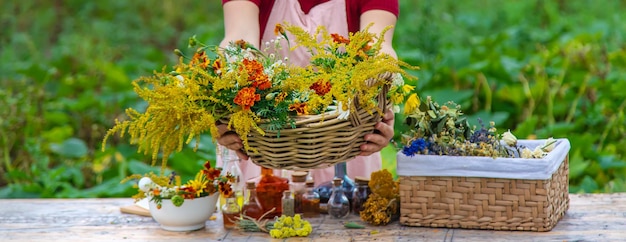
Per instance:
(377,141)
(231,140)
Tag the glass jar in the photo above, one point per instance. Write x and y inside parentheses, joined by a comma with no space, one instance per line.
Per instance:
(298,188)
(360,193)
(325,189)
(310,201)
(230,162)
(230,212)
(338,203)
(269,191)
(252,207)
(287,204)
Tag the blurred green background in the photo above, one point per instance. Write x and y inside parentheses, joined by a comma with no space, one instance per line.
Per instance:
(540,68)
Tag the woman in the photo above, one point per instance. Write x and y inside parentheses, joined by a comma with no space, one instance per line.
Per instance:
(254,21)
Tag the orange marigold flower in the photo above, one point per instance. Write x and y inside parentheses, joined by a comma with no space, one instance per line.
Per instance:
(212,173)
(253,68)
(207,165)
(280,97)
(242,43)
(279,30)
(262,82)
(156,191)
(199,58)
(217,66)
(189,192)
(321,87)
(340,39)
(246,97)
(225,189)
(300,108)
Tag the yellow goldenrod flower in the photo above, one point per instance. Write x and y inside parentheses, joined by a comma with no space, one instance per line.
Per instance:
(407,88)
(411,103)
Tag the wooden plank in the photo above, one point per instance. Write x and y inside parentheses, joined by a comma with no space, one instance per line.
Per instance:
(591,217)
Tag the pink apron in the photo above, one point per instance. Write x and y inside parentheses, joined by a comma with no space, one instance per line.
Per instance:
(331,14)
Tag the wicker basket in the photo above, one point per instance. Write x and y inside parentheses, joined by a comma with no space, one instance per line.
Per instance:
(484,202)
(317,141)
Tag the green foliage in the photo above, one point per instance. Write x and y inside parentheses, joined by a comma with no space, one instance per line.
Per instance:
(540,68)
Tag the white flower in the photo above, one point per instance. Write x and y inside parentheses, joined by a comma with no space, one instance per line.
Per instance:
(398,80)
(343,114)
(549,145)
(509,138)
(145,183)
(396,109)
(181,80)
(538,152)
(527,153)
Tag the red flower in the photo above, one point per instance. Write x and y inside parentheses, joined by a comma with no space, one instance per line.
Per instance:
(340,39)
(321,87)
(246,97)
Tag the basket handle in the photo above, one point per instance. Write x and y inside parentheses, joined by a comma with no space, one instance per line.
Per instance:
(355,118)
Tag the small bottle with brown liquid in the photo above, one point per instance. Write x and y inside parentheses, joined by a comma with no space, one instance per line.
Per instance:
(230,212)
(252,207)
(310,201)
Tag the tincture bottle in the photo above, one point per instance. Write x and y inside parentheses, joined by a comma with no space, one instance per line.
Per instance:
(288,204)
(252,207)
(230,212)
(270,190)
(360,193)
(310,201)
(325,189)
(298,188)
(338,203)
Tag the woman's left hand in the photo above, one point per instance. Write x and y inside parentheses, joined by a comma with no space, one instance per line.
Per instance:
(378,141)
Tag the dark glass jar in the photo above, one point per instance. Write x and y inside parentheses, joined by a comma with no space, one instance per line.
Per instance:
(298,188)
(325,189)
(360,193)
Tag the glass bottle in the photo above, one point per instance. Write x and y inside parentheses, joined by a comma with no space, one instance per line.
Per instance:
(269,191)
(360,194)
(310,201)
(230,212)
(230,162)
(298,188)
(325,189)
(288,204)
(252,207)
(338,203)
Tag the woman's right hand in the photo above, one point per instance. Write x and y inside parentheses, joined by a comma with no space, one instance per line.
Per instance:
(231,140)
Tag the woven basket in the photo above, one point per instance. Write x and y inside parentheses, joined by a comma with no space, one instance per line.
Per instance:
(485,203)
(317,141)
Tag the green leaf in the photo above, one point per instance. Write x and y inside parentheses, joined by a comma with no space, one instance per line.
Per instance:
(70,148)
(589,185)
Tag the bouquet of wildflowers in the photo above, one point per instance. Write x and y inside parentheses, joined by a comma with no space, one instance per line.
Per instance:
(443,130)
(253,90)
(207,181)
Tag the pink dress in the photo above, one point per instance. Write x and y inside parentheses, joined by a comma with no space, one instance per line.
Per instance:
(331,14)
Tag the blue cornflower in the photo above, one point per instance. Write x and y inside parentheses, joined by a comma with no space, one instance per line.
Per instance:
(416,147)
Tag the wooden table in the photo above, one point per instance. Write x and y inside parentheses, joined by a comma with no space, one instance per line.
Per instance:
(591,217)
